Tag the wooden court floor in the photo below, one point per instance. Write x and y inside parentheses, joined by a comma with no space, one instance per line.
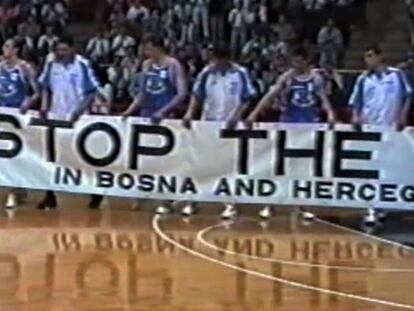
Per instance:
(119,259)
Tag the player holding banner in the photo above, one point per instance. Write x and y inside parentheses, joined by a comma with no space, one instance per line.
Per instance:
(381,96)
(18,90)
(69,87)
(301,97)
(223,91)
(162,89)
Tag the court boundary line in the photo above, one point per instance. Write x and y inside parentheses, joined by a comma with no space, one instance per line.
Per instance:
(367,235)
(201,238)
(156,227)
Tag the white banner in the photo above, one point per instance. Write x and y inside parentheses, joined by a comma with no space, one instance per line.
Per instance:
(277,164)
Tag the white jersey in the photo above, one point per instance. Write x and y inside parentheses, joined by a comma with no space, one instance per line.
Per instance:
(380,97)
(222,93)
(68,83)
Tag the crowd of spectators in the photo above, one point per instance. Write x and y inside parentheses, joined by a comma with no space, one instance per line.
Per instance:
(36,22)
(261,34)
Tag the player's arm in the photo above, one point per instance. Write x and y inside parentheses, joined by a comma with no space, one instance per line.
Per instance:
(269,98)
(91,86)
(197,98)
(407,93)
(182,91)
(31,78)
(139,97)
(45,89)
(356,101)
(248,93)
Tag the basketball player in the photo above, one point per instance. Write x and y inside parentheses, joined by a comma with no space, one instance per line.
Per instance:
(222,92)
(18,90)
(163,88)
(381,96)
(300,95)
(68,89)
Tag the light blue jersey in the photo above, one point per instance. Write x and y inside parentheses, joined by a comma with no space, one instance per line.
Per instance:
(380,97)
(221,93)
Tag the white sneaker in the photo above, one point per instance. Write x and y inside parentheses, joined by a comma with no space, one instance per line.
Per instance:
(308,216)
(266,213)
(370,219)
(12,201)
(163,210)
(188,210)
(229,212)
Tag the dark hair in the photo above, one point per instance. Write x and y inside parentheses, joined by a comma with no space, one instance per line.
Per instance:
(301,52)
(154,39)
(18,43)
(374,48)
(222,50)
(67,39)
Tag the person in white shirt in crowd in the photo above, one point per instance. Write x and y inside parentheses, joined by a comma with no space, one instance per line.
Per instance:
(256,43)
(201,16)
(47,42)
(223,91)
(55,13)
(330,43)
(28,42)
(218,9)
(68,86)
(238,23)
(121,42)
(137,12)
(98,47)
(382,97)
(284,29)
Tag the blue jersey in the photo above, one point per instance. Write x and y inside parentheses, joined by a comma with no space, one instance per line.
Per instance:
(13,86)
(302,100)
(159,87)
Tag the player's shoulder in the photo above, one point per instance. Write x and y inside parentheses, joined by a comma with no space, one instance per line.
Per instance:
(286,76)
(172,62)
(393,69)
(206,71)
(82,60)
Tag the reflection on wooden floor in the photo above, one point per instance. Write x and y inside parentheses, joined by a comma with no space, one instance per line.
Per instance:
(76,259)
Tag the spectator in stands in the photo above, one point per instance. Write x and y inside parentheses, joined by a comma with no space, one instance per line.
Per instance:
(217,18)
(119,78)
(257,43)
(121,42)
(137,12)
(55,13)
(201,18)
(99,47)
(117,15)
(47,42)
(276,47)
(30,27)
(330,43)
(284,30)
(334,86)
(238,24)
